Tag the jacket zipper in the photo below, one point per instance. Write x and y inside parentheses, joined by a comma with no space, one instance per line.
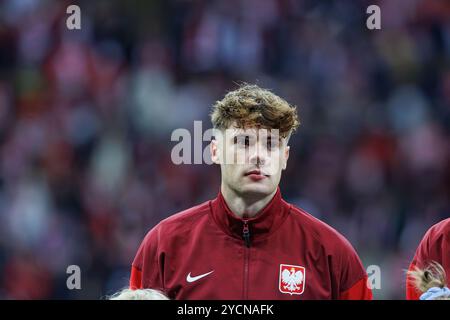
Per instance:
(246,236)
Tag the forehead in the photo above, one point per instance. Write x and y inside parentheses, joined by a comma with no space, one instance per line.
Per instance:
(260,132)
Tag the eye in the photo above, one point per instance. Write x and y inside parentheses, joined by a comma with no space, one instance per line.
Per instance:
(243,141)
(271,143)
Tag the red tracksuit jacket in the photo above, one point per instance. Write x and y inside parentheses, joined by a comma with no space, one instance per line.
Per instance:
(206,252)
(435,246)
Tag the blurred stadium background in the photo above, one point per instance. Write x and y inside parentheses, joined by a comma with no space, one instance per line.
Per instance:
(86,118)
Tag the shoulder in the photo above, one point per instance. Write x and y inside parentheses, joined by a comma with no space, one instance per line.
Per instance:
(435,241)
(440,229)
(329,247)
(187,217)
(179,223)
(437,235)
(319,231)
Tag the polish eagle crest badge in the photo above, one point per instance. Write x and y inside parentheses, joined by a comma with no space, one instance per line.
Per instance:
(292,279)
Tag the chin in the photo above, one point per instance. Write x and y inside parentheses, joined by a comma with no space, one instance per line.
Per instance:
(257,189)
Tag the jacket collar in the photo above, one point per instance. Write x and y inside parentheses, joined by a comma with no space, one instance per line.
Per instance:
(261,225)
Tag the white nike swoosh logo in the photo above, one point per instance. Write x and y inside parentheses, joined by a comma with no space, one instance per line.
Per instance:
(192,279)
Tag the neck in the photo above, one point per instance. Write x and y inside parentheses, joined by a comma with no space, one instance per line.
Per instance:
(245,206)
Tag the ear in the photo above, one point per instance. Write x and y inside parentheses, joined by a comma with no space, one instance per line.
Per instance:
(214,150)
(286,156)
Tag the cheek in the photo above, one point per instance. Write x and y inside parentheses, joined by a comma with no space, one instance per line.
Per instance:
(276,178)
(276,163)
(230,172)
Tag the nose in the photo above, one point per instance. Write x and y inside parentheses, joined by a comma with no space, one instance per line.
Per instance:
(258,155)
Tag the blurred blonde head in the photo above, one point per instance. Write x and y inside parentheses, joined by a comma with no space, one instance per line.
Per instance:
(139,294)
(431,282)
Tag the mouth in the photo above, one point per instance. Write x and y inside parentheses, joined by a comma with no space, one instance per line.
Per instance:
(256,175)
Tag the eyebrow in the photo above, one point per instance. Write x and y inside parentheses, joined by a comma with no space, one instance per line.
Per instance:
(239,135)
(252,135)
(274,137)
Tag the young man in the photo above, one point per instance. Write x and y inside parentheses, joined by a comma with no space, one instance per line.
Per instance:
(434,247)
(249,243)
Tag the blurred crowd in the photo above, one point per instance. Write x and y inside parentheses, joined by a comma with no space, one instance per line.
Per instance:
(86,118)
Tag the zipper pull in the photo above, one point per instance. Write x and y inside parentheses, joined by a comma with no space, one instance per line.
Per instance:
(246,234)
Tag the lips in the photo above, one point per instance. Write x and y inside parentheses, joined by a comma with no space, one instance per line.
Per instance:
(258,172)
(256,175)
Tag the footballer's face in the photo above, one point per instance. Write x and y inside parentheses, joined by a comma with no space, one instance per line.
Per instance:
(251,160)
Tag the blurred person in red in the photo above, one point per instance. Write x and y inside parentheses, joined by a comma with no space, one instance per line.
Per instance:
(248,242)
(434,248)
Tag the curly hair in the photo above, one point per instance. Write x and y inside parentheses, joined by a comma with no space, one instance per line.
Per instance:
(252,106)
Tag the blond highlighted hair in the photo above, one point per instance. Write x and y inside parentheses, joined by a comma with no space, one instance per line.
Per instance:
(139,294)
(430,277)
